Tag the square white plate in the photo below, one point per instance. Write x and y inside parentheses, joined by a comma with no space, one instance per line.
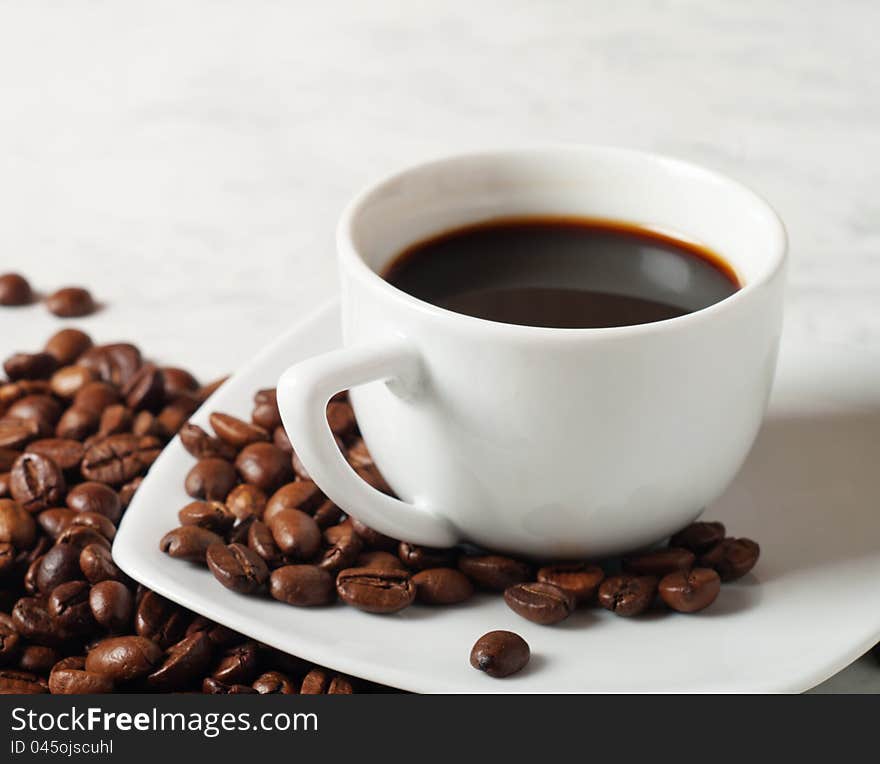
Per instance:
(808,493)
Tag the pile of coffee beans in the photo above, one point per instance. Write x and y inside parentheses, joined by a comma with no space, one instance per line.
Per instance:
(263,527)
(67,302)
(80,424)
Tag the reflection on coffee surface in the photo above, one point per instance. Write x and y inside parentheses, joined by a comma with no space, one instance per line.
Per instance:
(563,272)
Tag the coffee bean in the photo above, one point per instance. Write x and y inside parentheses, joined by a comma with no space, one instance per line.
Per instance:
(358,455)
(120,458)
(30,576)
(494,572)
(15,433)
(344,546)
(17,526)
(173,416)
(95,497)
(246,501)
(578,579)
(442,586)
(95,397)
(698,537)
(71,302)
(189,542)
(659,562)
(114,420)
(500,653)
(178,381)
(316,682)
(239,532)
(237,567)
(145,389)
(96,564)
(372,538)
(69,606)
(211,686)
(31,620)
(30,366)
(77,424)
(59,565)
(69,380)
(274,683)
(66,453)
(259,538)
(10,642)
(372,477)
(54,521)
(327,514)
(280,439)
(690,591)
(4,483)
(202,446)
(212,515)
(79,682)
(539,602)
(36,482)
(14,290)
(266,415)
(37,659)
(161,620)
(236,432)
(81,536)
(375,591)
(379,560)
(418,557)
(145,423)
(238,665)
(296,534)
(300,494)
(732,558)
(221,636)
(184,663)
(21,683)
(627,595)
(42,409)
(101,524)
(302,585)
(112,605)
(7,563)
(124,659)
(127,492)
(211,479)
(264,465)
(68,345)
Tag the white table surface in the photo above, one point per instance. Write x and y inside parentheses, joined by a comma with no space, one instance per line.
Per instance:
(188,161)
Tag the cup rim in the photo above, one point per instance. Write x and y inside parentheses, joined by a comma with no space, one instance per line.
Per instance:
(350,256)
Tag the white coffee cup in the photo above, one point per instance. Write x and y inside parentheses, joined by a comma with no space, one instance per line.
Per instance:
(553,443)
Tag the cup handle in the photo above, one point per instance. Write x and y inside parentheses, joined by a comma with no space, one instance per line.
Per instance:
(303,393)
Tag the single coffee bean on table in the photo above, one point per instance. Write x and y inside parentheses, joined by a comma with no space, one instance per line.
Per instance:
(500,653)
(15,290)
(71,302)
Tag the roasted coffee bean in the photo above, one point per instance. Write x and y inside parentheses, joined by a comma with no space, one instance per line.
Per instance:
(10,642)
(267,416)
(54,521)
(691,590)
(120,458)
(66,453)
(36,482)
(358,455)
(4,484)
(31,620)
(96,396)
(99,523)
(417,557)
(124,659)
(7,560)
(327,514)
(15,433)
(659,562)
(264,465)
(299,469)
(239,532)
(67,681)
(372,477)
(59,565)
(372,538)
(280,439)
(145,423)
(627,595)
(17,526)
(71,302)
(494,572)
(95,497)
(173,416)
(30,366)
(699,537)
(238,665)
(237,567)
(340,417)
(237,432)
(259,538)
(213,515)
(68,345)
(127,492)
(189,542)
(184,663)
(30,576)
(116,363)
(211,686)
(42,409)
(211,479)
(81,536)
(379,560)
(376,591)
(37,659)
(77,424)
(69,380)
(68,605)
(578,579)
(246,501)
(302,585)
(159,619)
(344,546)
(542,603)
(296,534)
(442,586)
(202,446)
(320,682)
(500,653)
(112,605)
(15,290)
(299,494)
(115,419)
(221,636)
(274,683)
(145,389)
(732,558)
(178,381)
(97,564)
(21,683)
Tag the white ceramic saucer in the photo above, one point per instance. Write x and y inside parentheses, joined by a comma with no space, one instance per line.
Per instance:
(808,493)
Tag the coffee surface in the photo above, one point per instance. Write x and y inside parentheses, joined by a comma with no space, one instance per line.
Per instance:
(563,272)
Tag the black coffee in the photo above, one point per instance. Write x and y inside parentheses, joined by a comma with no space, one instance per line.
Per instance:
(563,272)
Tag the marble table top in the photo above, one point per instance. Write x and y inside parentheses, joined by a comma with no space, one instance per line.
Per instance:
(188,161)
